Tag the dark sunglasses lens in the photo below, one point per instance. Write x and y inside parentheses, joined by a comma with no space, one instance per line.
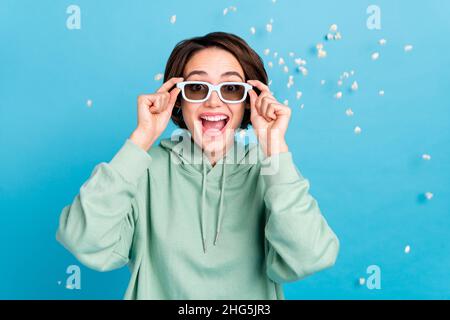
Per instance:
(196,91)
(232,92)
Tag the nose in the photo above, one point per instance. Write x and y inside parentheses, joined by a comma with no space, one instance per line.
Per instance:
(214,100)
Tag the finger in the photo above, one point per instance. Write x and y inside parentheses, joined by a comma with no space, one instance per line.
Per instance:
(262,104)
(158,104)
(173,98)
(169,84)
(261,86)
(271,111)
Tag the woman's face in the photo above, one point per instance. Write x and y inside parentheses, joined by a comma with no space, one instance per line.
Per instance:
(215,66)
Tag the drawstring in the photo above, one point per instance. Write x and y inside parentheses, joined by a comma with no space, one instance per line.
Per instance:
(203,209)
(219,218)
(222,191)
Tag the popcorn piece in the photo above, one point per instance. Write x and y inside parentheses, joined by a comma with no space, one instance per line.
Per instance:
(89,103)
(349,112)
(354,86)
(322,82)
(303,70)
(381,93)
(269,27)
(266,52)
(322,53)
(281,61)
(339,83)
(357,130)
(338,95)
(330,36)
(158,76)
(225,11)
(407,249)
(286,102)
(426,157)
(286,69)
(362,281)
(337,36)
(270,64)
(375,56)
(333,28)
(173,19)
(429,195)
(252,30)
(299,95)
(302,106)
(382,42)
(408,48)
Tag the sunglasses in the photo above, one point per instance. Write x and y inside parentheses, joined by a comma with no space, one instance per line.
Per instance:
(200,91)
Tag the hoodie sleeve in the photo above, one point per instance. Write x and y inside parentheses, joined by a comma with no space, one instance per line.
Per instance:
(98,227)
(300,242)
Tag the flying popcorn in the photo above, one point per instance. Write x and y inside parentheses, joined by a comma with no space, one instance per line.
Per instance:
(281,61)
(340,83)
(337,36)
(330,36)
(158,76)
(286,102)
(338,95)
(355,86)
(266,52)
(349,112)
(429,195)
(407,249)
(270,64)
(362,281)
(252,30)
(286,69)
(408,48)
(299,95)
(322,82)
(426,157)
(321,53)
(375,56)
(382,42)
(357,130)
(333,28)
(173,19)
(302,106)
(381,93)
(89,103)
(303,70)
(269,27)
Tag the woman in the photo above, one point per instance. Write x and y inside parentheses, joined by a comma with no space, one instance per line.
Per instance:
(201,215)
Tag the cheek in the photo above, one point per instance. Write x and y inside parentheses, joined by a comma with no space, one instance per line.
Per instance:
(238,115)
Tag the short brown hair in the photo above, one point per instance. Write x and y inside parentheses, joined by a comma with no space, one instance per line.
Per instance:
(251,63)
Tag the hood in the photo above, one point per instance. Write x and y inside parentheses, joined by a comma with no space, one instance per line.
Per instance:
(239,158)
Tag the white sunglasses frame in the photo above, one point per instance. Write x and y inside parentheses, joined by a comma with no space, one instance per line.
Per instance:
(212,88)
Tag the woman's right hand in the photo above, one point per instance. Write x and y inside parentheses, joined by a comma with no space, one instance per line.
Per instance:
(154,112)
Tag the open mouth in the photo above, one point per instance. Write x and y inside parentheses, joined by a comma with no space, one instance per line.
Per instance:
(214,125)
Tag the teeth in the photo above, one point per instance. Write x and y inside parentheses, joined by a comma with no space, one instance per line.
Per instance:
(214,118)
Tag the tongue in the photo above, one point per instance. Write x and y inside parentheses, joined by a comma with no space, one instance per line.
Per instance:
(213,125)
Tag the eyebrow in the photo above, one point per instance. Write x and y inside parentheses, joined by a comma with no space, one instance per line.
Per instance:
(228,73)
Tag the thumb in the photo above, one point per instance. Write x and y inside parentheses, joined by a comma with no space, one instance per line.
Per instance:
(253,97)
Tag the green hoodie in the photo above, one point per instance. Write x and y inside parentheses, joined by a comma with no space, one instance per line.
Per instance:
(189,230)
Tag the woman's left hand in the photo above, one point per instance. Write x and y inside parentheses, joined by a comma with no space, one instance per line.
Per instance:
(269,119)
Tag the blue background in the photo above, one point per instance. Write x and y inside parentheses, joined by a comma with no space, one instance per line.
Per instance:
(370,186)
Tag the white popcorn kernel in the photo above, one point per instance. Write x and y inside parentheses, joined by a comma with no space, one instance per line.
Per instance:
(173,19)
(382,42)
(275,54)
(429,195)
(281,61)
(426,157)
(286,69)
(362,281)
(271,21)
(158,76)
(337,36)
(269,27)
(407,249)
(286,102)
(300,62)
(349,112)
(225,11)
(322,82)
(375,55)
(319,46)
(270,83)
(338,95)
(357,130)
(89,103)
(381,93)
(303,70)
(340,83)
(299,95)
(346,75)
(333,27)
(330,36)
(302,106)
(252,30)
(322,53)
(408,48)
(355,86)
(266,52)
(270,64)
